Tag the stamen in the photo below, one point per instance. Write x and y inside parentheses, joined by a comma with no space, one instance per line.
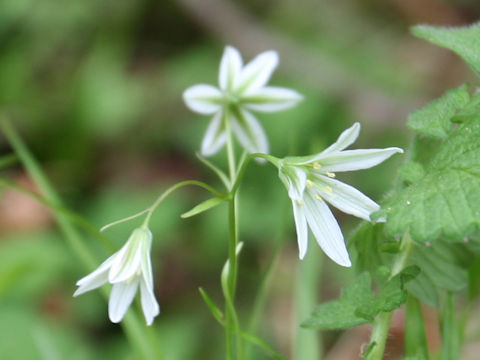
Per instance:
(300,202)
(328,189)
(317,166)
(330,174)
(318,197)
(309,183)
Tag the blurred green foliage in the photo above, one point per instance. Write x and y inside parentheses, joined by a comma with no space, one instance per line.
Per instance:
(95,87)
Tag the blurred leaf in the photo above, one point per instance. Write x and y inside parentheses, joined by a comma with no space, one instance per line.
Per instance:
(450,331)
(415,338)
(465,41)
(446,201)
(434,119)
(25,335)
(442,266)
(30,265)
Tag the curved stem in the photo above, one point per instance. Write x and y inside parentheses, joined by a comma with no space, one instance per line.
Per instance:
(381,326)
(171,189)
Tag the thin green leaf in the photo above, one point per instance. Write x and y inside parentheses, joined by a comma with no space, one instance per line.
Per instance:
(216,312)
(263,345)
(203,206)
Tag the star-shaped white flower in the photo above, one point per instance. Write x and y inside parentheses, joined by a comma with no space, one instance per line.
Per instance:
(311,182)
(127,270)
(241,88)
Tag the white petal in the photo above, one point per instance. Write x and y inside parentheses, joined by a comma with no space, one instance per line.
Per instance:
(301,227)
(203,99)
(346,138)
(349,160)
(257,72)
(249,132)
(150,306)
(127,262)
(326,230)
(271,99)
(215,136)
(295,180)
(147,264)
(230,67)
(95,279)
(346,198)
(121,297)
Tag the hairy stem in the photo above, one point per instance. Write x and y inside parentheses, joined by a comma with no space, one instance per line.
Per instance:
(381,326)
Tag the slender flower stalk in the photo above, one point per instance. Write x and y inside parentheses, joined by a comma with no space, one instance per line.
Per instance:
(241,89)
(310,181)
(127,270)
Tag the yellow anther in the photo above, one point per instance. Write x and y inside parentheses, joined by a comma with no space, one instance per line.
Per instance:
(328,189)
(318,197)
(309,183)
(300,202)
(317,166)
(330,174)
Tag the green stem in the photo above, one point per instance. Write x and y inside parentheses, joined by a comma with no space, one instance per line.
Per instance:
(307,345)
(131,324)
(381,325)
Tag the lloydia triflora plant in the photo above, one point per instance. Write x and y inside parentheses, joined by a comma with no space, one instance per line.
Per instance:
(419,247)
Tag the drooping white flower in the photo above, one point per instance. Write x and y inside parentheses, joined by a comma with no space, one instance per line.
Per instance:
(310,181)
(241,88)
(127,270)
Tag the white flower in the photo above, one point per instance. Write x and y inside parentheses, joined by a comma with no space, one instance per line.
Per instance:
(127,269)
(310,181)
(241,88)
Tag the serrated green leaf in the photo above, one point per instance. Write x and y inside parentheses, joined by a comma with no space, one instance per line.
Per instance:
(358,305)
(469,111)
(465,41)
(340,314)
(411,172)
(203,206)
(446,201)
(435,118)
(390,297)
